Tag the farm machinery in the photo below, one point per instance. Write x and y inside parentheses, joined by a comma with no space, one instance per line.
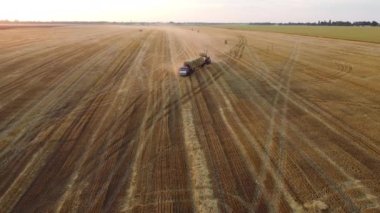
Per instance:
(191,66)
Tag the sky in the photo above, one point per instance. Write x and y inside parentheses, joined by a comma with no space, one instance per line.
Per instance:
(190,10)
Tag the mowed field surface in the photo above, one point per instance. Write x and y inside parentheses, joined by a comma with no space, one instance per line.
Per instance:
(367,34)
(96,119)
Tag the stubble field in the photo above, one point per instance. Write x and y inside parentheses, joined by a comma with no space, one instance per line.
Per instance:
(96,119)
(365,34)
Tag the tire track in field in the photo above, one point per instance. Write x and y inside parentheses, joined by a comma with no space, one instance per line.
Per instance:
(366,194)
(202,189)
(131,201)
(56,162)
(278,120)
(156,116)
(21,184)
(42,102)
(224,186)
(159,116)
(71,116)
(264,155)
(319,110)
(274,172)
(122,63)
(203,194)
(229,183)
(47,59)
(347,129)
(277,172)
(328,120)
(118,74)
(342,194)
(316,167)
(16,145)
(93,50)
(167,137)
(236,182)
(102,90)
(110,159)
(229,108)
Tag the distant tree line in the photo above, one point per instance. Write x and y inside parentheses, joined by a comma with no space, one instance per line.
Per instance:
(78,22)
(324,23)
(319,23)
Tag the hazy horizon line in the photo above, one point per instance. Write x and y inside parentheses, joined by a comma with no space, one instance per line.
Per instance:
(182,22)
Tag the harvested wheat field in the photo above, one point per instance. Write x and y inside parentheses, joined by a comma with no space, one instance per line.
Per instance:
(96,119)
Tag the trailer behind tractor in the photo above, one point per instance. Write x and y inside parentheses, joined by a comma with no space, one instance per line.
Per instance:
(191,66)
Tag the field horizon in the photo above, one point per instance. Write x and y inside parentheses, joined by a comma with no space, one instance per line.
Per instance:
(351,33)
(370,34)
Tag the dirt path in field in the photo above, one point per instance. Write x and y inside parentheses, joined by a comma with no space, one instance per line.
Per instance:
(96,119)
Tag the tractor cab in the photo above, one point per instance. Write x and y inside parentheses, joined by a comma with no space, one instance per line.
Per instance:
(191,66)
(184,71)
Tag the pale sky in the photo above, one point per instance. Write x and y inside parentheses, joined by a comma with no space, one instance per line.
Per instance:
(190,10)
